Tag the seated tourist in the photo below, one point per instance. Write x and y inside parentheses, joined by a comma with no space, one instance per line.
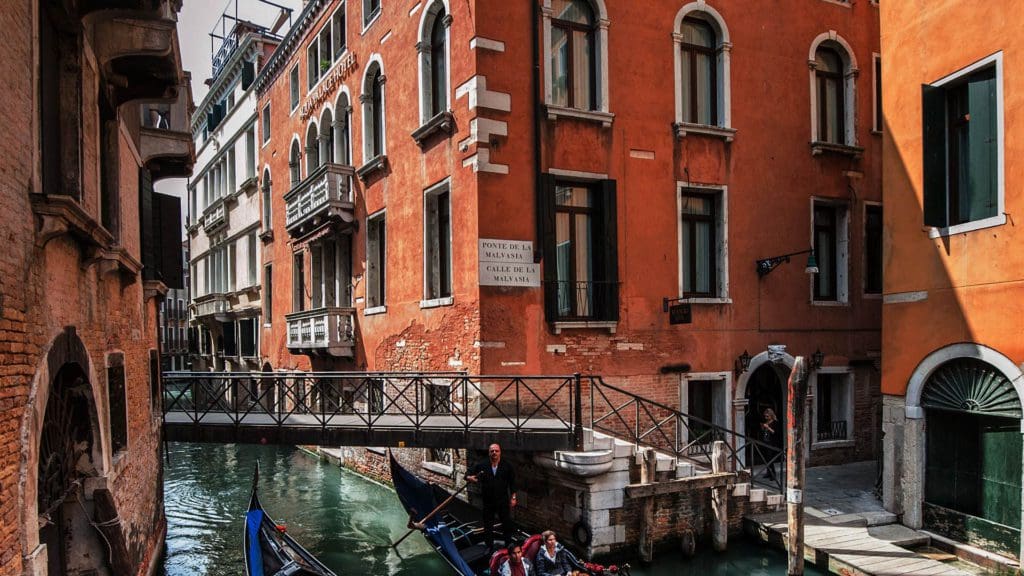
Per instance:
(552,559)
(516,564)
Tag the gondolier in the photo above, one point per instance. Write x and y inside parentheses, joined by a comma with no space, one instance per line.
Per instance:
(497,480)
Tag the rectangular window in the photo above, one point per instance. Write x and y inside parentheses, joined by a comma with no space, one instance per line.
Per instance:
(872,249)
(705,403)
(962,144)
(232,183)
(266,122)
(250,153)
(268,294)
(700,242)
(293,83)
(833,403)
(253,260)
(371,8)
(230,264)
(313,63)
(338,28)
(247,337)
(298,282)
(825,248)
(438,249)
(877,61)
(229,339)
(376,263)
(118,404)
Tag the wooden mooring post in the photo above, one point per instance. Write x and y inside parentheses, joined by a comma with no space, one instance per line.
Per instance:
(719,499)
(795,466)
(648,469)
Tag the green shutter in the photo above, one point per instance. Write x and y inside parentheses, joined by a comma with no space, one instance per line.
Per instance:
(933,125)
(981,198)
(608,269)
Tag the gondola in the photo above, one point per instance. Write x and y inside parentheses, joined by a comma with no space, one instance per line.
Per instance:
(269,551)
(459,540)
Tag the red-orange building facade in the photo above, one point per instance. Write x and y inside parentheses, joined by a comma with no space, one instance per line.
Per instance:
(500,217)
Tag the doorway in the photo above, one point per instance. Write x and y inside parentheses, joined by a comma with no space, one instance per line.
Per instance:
(765,390)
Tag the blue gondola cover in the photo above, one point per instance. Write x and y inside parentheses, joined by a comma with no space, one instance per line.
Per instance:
(253,519)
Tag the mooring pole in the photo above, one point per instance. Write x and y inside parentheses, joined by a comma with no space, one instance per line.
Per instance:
(719,499)
(648,471)
(795,466)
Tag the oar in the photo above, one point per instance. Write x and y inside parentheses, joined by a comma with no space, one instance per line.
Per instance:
(431,515)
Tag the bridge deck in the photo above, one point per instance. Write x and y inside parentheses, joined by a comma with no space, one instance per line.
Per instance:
(439,431)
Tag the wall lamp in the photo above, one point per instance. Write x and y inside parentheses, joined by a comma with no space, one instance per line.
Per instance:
(742,363)
(817,359)
(766,265)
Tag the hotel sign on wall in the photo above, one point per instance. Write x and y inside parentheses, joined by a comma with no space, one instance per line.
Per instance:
(325,89)
(508,263)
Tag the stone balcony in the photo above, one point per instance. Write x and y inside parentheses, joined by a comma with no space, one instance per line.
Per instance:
(215,217)
(322,331)
(165,137)
(324,196)
(211,305)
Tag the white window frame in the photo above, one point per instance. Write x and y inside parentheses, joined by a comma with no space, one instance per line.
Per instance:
(367,105)
(842,256)
(342,9)
(701,10)
(721,239)
(294,83)
(848,376)
(602,113)
(427,19)
(721,403)
(267,199)
(380,306)
(1000,218)
(368,19)
(850,72)
(266,124)
(429,204)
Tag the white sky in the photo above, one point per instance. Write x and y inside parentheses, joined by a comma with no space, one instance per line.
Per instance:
(195,22)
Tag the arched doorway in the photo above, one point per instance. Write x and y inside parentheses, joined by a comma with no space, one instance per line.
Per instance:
(973,453)
(66,443)
(766,389)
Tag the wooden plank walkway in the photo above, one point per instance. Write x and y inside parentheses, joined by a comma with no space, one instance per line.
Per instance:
(850,550)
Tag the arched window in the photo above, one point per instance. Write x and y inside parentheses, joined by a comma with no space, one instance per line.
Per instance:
(294,168)
(342,137)
(433,49)
(830,88)
(312,149)
(373,112)
(268,197)
(327,137)
(699,72)
(573,57)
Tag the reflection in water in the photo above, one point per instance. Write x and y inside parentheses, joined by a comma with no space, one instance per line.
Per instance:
(345,520)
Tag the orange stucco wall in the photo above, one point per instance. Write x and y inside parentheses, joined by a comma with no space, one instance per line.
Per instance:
(972,281)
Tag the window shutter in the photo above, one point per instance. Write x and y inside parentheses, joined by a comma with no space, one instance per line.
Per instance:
(546,226)
(981,199)
(933,125)
(608,269)
(168,226)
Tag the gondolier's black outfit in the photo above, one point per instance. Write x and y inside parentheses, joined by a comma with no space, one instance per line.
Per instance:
(498,486)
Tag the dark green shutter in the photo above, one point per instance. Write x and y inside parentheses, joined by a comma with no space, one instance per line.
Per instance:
(981,199)
(608,268)
(933,125)
(546,227)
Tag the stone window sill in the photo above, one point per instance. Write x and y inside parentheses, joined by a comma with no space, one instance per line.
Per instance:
(611,326)
(604,118)
(819,148)
(267,236)
(998,220)
(725,300)
(833,444)
(374,310)
(443,123)
(373,166)
(437,468)
(248,185)
(829,303)
(684,129)
(437,302)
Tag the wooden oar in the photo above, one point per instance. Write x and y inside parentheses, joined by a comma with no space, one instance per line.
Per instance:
(431,515)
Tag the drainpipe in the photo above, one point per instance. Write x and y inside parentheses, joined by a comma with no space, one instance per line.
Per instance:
(538,250)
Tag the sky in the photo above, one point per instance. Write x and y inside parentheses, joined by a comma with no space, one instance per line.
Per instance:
(195,22)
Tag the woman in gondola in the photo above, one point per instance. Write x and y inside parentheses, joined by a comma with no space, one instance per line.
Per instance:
(553,559)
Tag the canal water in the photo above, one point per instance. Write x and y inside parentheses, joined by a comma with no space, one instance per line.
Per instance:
(344,519)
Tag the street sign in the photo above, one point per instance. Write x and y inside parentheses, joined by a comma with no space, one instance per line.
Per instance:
(679,314)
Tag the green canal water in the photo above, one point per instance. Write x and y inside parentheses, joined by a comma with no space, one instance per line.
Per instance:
(347,521)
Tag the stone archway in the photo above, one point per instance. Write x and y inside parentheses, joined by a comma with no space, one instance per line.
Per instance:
(741,401)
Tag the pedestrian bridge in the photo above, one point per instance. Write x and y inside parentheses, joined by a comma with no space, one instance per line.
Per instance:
(437,410)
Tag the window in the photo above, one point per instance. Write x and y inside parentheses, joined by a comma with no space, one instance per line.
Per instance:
(830,233)
(266,123)
(268,196)
(339,31)
(342,138)
(872,249)
(293,83)
(253,258)
(248,337)
(228,339)
(294,168)
(250,153)
(118,403)
(373,113)
(701,240)
(433,61)
(318,57)
(371,9)
(437,251)
(580,251)
(329,270)
(831,96)
(963,146)
(704,397)
(268,294)
(230,263)
(298,282)
(376,262)
(231,187)
(312,149)
(699,72)
(877,108)
(573,55)
(833,407)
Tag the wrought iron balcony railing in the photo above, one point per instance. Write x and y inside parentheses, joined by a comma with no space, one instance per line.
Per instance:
(329,331)
(324,194)
(830,431)
(584,300)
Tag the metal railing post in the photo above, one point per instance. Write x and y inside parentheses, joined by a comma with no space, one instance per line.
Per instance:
(578,413)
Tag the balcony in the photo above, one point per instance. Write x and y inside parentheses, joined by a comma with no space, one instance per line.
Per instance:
(165,138)
(138,50)
(325,195)
(322,331)
(215,217)
(211,305)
